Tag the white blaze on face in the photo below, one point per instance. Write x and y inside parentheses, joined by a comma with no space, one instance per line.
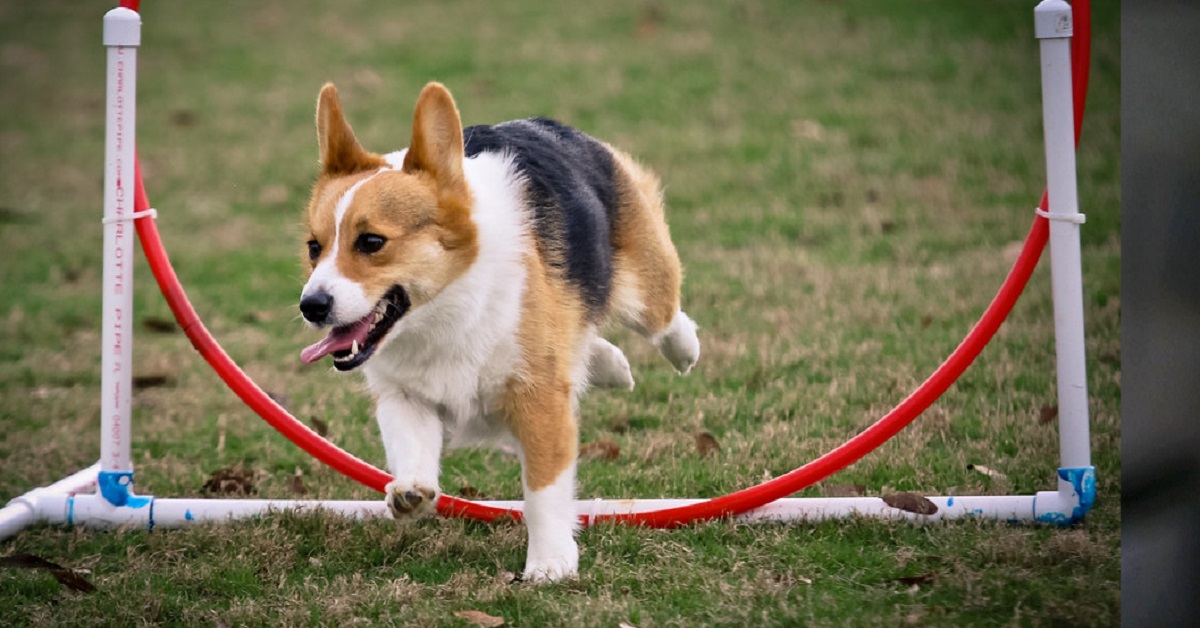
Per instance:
(350,302)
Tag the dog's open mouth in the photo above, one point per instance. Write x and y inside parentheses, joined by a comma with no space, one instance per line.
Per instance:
(353,344)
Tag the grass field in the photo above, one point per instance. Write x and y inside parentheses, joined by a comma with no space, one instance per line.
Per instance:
(847,184)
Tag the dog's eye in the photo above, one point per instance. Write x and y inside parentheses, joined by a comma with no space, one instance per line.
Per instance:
(369,243)
(314,250)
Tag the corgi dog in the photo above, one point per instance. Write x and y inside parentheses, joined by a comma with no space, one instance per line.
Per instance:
(468,277)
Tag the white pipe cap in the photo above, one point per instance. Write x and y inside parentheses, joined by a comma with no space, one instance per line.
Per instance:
(1052,20)
(122,27)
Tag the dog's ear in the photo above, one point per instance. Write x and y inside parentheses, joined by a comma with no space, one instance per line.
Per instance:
(436,149)
(340,151)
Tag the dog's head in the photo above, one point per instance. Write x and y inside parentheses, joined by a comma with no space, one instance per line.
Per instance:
(383,238)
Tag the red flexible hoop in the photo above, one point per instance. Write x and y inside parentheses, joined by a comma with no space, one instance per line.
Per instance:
(728,505)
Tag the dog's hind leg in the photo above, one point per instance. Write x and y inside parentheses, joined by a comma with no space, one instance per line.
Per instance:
(646,271)
(608,367)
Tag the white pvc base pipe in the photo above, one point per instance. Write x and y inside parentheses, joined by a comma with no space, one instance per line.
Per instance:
(72,501)
(96,512)
(30,508)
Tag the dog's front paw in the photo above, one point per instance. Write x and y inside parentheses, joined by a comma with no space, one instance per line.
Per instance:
(409,500)
(558,564)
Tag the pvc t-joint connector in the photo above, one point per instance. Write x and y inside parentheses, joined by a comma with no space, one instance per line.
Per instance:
(1052,20)
(122,27)
(117,488)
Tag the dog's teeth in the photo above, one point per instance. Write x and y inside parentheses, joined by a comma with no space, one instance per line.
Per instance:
(354,347)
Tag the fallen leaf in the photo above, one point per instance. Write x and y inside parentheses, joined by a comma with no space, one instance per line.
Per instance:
(152,380)
(919,579)
(480,618)
(991,473)
(184,118)
(296,483)
(706,444)
(1047,414)
(160,325)
(601,449)
(619,425)
(319,426)
(926,321)
(844,490)
(910,502)
(649,21)
(67,577)
(230,481)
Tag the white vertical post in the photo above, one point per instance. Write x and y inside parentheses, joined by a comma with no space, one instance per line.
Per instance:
(1053,27)
(122,35)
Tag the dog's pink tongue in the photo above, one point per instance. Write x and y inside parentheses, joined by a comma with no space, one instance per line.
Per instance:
(339,339)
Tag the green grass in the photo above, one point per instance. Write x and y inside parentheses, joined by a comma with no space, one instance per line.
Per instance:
(846,184)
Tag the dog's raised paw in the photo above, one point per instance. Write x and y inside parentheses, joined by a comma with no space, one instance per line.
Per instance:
(608,366)
(408,501)
(679,344)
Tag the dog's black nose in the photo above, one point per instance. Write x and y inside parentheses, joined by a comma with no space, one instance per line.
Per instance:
(316,307)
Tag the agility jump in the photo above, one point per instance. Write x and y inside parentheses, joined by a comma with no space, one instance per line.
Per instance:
(102,495)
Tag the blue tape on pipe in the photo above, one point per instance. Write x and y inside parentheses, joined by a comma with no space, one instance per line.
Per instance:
(116,487)
(1083,485)
(1083,479)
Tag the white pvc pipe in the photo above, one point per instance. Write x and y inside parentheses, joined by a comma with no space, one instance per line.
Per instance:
(122,35)
(1053,27)
(26,510)
(95,511)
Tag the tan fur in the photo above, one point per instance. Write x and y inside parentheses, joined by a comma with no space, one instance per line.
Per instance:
(339,149)
(537,403)
(423,210)
(319,215)
(645,297)
(647,273)
(437,150)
